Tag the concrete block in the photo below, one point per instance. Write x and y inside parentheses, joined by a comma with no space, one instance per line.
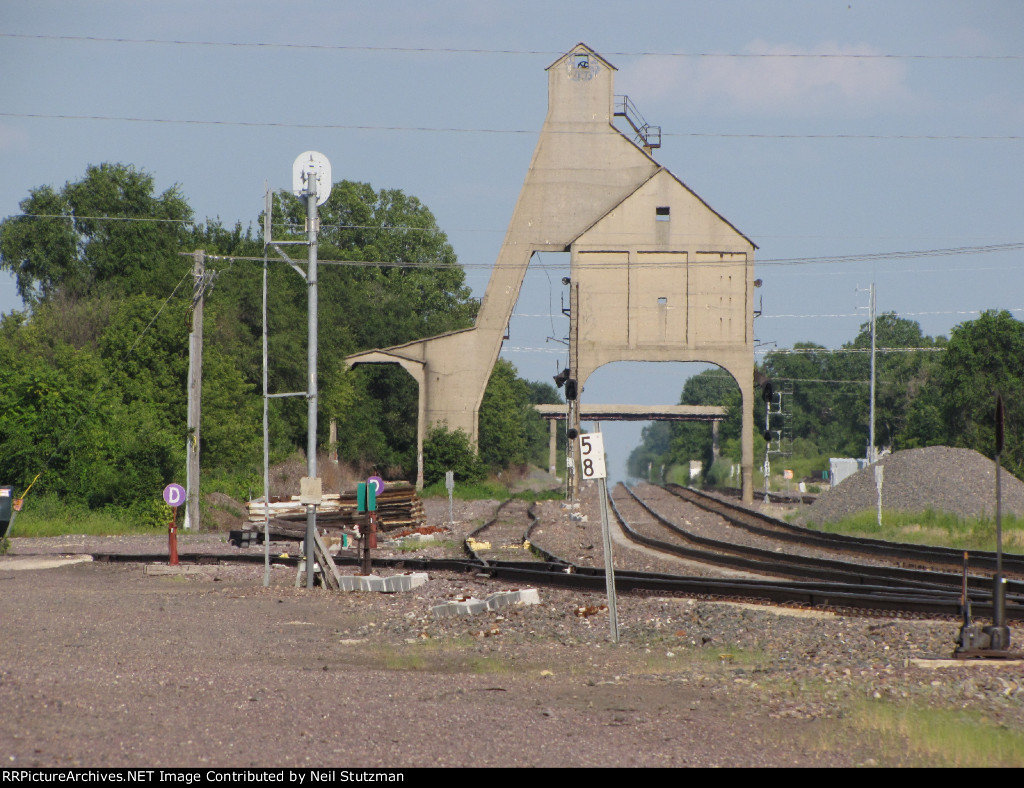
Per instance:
(397,583)
(387,585)
(446,610)
(473,606)
(406,582)
(528,596)
(372,583)
(495,601)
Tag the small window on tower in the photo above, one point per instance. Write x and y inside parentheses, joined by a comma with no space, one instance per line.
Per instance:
(661,213)
(662,301)
(582,60)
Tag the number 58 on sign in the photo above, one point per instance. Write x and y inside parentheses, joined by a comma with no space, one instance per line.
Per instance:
(592,456)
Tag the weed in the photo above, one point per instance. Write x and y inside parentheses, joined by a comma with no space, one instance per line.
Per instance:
(489,490)
(913,735)
(931,528)
(47,515)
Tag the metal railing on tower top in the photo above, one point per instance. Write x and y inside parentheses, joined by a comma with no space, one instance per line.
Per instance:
(647,135)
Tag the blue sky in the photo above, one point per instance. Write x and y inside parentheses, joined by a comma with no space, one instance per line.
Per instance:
(874,128)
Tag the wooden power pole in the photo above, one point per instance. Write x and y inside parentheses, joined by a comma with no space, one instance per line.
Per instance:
(195,389)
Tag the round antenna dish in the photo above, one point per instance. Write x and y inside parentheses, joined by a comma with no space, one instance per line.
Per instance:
(312,164)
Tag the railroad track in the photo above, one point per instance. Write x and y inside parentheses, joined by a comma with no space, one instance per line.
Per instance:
(505,537)
(514,522)
(768,562)
(907,555)
(815,560)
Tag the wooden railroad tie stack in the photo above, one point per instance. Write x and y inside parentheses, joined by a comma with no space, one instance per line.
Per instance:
(398,507)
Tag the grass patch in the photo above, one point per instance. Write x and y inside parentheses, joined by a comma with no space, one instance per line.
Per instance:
(489,490)
(938,529)
(411,546)
(913,735)
(49,516)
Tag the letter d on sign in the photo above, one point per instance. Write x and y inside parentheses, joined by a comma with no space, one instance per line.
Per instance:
(174,495)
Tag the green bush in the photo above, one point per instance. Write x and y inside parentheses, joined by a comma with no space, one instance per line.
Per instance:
(450,450)
(153,513)
(718,474)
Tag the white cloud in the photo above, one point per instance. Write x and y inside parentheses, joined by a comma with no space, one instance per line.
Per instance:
(804,86)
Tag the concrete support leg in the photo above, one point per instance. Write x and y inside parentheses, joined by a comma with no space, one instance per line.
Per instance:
(552,443)
(421,428)
(747,439)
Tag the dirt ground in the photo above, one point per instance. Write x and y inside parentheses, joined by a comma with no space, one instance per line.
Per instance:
(117,665)
(104,665)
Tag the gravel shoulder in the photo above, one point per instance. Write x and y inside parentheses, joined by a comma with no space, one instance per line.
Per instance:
(106,665)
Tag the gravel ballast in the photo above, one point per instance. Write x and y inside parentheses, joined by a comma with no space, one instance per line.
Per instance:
(105,665)
(938,478)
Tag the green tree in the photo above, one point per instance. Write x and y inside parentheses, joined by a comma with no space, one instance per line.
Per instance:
(108,231)
(94,375)
(900,376)
(505,416)
(645,460)
(830,406)
(398,280)
(985,357)
(692,440)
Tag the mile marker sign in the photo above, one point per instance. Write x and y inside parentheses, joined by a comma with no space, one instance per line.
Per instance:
(592,456)
(174,495)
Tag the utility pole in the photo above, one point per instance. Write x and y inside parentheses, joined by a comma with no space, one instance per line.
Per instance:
(871,454)
(195,389)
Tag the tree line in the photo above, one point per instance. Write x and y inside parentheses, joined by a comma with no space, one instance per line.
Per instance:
(93,371)
(929,391)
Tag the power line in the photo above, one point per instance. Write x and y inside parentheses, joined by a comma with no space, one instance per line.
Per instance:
(904,314)
(468,130)
(481,51)
(652,265)
(605,265)
(199,222)
(782,261)
(902,255)
(834,351)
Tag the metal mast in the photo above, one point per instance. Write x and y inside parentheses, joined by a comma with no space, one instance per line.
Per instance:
(872,454)
(312,222)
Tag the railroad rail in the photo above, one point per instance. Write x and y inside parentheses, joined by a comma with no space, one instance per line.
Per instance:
(947,558)
(836,574)
(532,566)
(838,597)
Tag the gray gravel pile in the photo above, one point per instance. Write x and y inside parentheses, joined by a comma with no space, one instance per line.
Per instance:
(938,478)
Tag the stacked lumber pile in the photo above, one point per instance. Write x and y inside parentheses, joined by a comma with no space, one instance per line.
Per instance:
(398,508)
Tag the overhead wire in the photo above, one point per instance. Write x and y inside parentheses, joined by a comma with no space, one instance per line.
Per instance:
(482,130)
(486,51)
(592,265)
